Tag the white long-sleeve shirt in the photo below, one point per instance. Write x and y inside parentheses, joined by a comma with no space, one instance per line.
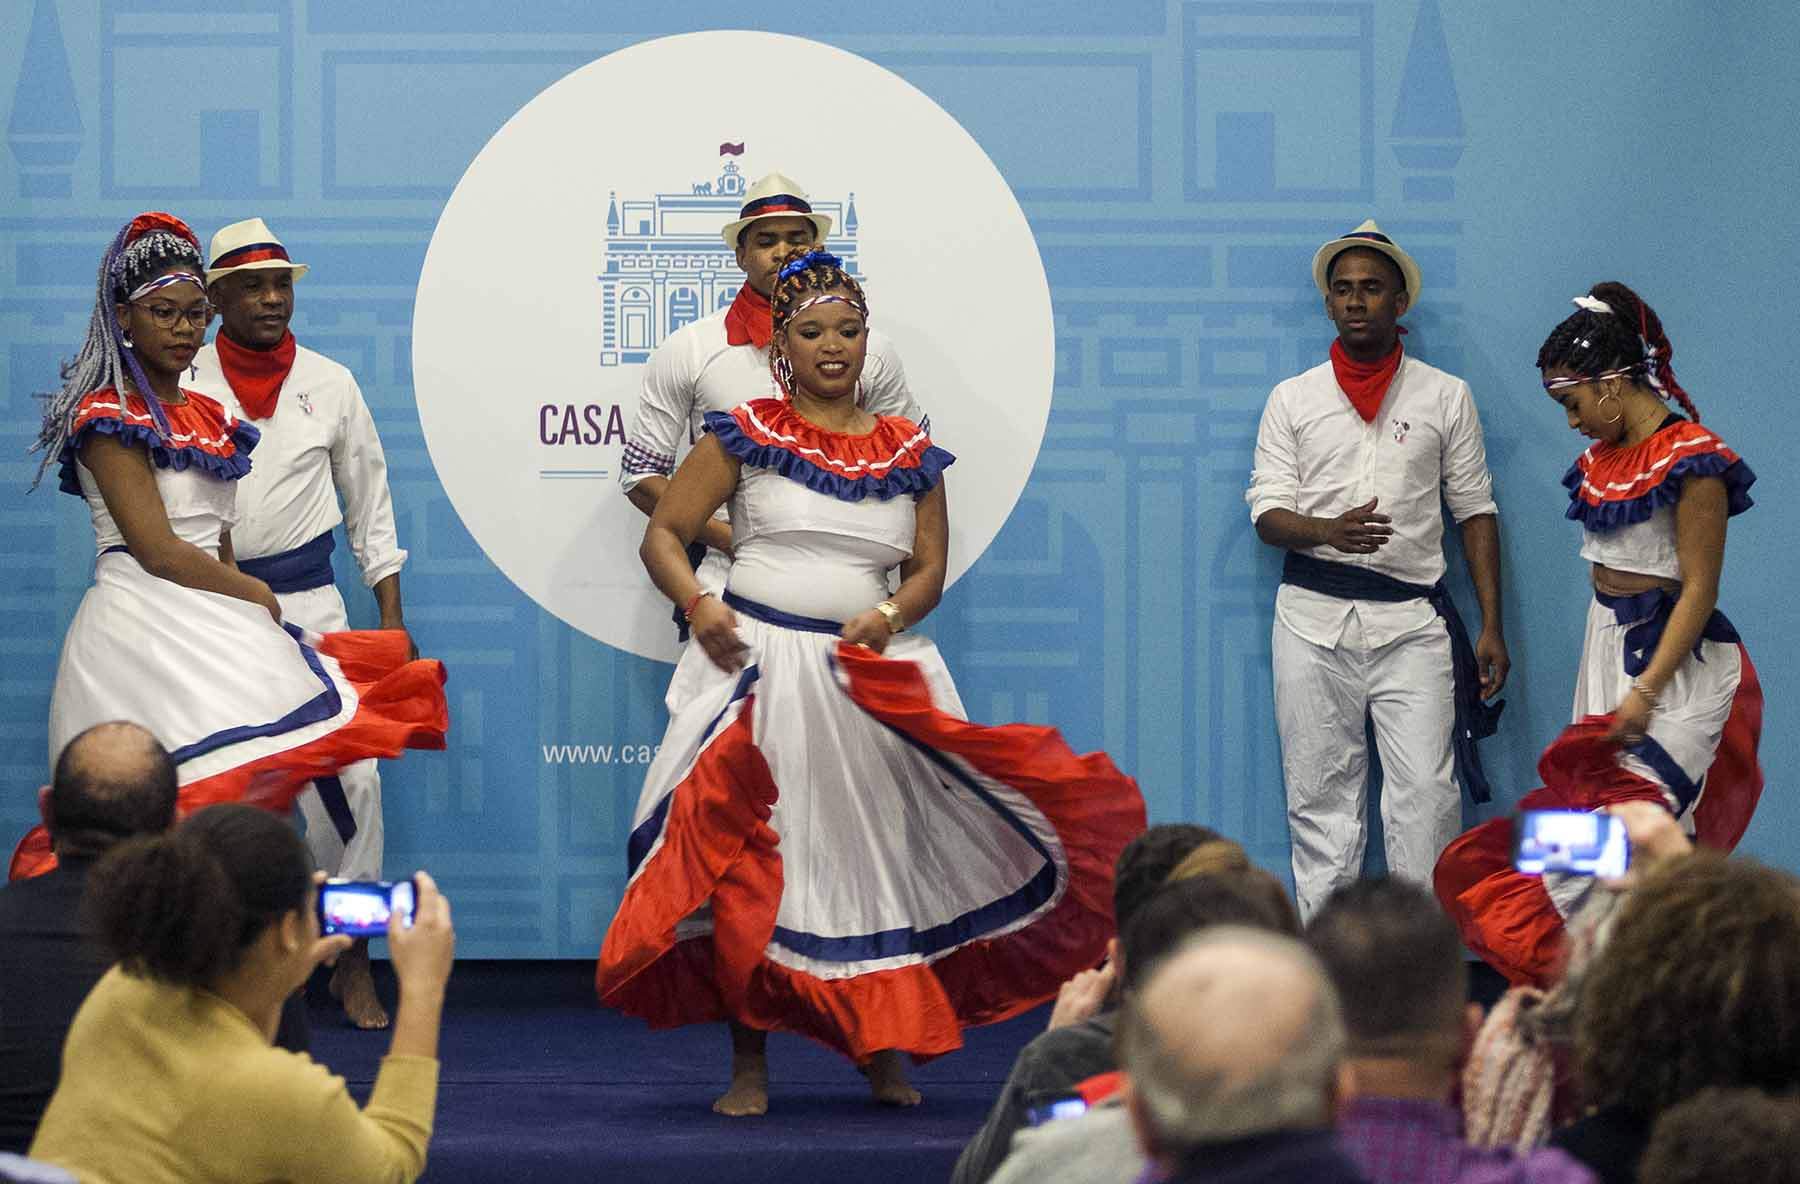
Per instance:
(319,444)
(696,370)
(1317,457)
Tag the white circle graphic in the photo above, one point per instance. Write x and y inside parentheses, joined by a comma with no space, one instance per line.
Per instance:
(587,229)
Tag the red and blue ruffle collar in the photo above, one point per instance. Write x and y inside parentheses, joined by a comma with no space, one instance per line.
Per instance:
(896,458)
(201,435)
(1610,487)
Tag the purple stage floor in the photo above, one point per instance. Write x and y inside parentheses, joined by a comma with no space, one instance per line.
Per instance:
(541,1084)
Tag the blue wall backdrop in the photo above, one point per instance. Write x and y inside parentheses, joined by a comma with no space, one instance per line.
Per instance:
(1179,162)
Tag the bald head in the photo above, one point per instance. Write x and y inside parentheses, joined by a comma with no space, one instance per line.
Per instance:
(113,781)
(1236,1034)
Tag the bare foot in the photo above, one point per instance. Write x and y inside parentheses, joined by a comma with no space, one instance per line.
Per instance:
(354,987)
(749,1092)
(887,1080)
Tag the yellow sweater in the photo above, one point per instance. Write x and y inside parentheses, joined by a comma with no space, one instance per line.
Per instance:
(170,1085)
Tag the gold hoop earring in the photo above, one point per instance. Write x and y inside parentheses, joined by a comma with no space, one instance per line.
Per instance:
(1618,415)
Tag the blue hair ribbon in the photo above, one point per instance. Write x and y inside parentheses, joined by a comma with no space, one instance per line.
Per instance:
(809,261)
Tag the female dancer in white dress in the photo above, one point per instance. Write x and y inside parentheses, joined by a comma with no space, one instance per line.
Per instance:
(1668,708)
(172,635)
(824,844)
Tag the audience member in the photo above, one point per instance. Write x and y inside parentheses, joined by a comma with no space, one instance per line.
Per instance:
(111,782)
(1401,976)
(168,1072)
(1225,857)
(1079,1043)
(1233,1052)
(1518,1081)
(1699,986)
(1099,1145)
(1724,1136)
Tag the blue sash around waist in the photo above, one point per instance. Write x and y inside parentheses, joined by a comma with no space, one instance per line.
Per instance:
(306,567)
(774,616)
(1646,617)
(1475,718)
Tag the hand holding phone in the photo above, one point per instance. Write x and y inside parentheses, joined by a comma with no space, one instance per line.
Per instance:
(1574,842)
(424,952)
(361,908)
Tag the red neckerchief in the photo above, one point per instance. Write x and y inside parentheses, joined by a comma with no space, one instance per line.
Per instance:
(1366,383)
(750,320)
(255,375)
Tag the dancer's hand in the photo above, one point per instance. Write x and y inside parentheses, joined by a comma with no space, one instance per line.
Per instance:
(261,594)
(1631,719)
(412,647)
(1359,530)
(1492,662)
(868,629)
(714,626)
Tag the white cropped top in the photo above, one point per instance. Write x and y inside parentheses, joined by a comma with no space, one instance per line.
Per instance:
(1625,498)
(820,518)
(196,466)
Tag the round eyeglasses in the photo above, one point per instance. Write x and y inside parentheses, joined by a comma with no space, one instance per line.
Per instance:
(166,316)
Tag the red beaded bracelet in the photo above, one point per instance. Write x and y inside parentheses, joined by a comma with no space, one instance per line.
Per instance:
(693,602)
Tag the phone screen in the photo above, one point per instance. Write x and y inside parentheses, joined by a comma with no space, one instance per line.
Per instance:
(1050,1109)
(1572,841)
(361,908)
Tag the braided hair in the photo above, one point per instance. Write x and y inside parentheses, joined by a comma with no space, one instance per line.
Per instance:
(148,244)
(806,273)
(1623,333)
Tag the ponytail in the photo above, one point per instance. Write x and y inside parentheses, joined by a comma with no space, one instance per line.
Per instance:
(184,906)
(165,908)
(1652,340)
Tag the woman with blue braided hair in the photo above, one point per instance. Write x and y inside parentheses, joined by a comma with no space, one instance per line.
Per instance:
(171,635)
(824,843)
(1668,708)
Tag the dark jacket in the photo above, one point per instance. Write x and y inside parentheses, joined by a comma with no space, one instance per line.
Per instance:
(47,968)
(1053,1063)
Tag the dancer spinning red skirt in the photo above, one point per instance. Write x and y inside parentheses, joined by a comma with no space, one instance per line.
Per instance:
(172,635)
(1671,703)
(825,845)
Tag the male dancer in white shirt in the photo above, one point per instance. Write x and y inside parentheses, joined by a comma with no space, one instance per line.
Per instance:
(1353,461)
(318,444)
(722,360)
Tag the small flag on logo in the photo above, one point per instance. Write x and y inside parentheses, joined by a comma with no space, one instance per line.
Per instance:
(731,149)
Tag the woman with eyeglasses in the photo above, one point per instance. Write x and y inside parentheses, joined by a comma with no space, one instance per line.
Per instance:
(1664,681)
(171,635)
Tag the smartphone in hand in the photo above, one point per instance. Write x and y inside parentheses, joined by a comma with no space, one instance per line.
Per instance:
(1574,842)
(361,908)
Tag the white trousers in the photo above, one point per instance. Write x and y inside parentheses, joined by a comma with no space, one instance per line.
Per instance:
(1323,696)
(322,610)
